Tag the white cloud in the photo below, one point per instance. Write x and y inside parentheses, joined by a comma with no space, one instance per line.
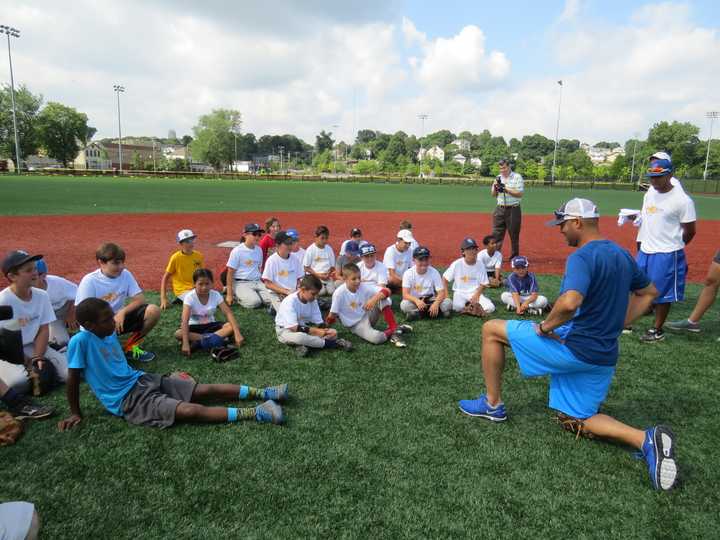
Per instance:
(570,11)
(412,34)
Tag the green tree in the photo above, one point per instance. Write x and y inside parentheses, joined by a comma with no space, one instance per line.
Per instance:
(214,141)
(365,136)
(61,130)
(679,139)
(535,146)
(324,141)
(27,106)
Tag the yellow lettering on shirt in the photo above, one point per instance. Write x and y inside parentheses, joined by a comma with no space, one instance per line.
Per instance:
(249,262)
(283,273)
(110,297)
(418,288)
(353,305)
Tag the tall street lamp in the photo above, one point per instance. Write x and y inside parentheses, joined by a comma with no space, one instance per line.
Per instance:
(557,131)
(118,89)
(13,32)
(712,115)
(632,169)
(335,126)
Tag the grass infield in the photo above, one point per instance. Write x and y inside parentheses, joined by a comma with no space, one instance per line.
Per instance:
(375,447)
(38,195)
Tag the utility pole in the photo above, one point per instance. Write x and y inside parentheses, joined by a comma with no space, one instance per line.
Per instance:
(557,132)
(712,115)
(118,89)
(13,32)
(632,169)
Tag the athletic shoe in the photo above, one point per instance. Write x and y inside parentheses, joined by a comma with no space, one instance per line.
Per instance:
(396,340)
(627,330)
(659,453)
(344,344)
(139,355)
(684,325)
(269,412)
(412,316)
(302,351)
(404,329)
(30,410)
(510,307)
(653,335)
(271,311)
(276,393)
(446,314)
(480,407)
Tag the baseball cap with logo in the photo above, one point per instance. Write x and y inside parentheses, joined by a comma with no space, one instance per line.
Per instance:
(253,228)
(574,208)
(519,262)
(185,234)
(41,266)
(421,252)
(660,155)
(406,236)
(352,248)
(367,249)
(283,237)
(15,259)
(294,234)
(468,243)
(659,167)
(356,232)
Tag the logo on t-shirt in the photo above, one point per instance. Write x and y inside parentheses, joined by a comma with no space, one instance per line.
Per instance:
(417,288)
(465,279)
(283,273)
(353,305)
(653,209)
(319,258)
(110,297)
(249,262)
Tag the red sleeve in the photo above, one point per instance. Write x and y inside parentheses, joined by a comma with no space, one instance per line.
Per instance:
(386,292)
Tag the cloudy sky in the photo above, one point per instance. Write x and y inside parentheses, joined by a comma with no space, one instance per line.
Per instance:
(306,65)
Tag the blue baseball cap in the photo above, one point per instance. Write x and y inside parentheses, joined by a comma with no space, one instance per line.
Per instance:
(367,249)
(519,262)
(292,233)
(659,167)
(352,248)
(421,252)
(41,266)
(468,243)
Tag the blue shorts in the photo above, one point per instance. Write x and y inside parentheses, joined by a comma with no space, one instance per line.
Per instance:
(576,387)
(667,271)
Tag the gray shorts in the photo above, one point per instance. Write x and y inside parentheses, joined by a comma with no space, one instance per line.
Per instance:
(15,520)
(154,398)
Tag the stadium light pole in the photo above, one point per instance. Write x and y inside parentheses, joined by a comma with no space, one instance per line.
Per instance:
(557,132)
(118,89)
(13,32)
(712,115)
(335,126)
(632,169)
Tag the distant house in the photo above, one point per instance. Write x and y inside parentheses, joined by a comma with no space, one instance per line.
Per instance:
(174,151)
(476,162)
(93,156)
(35,162)
(431,153)
(242,166)
(602,155)
(462,144)
(459,158)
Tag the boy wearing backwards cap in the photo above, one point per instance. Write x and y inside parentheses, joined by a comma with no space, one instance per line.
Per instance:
(522,294)
(398,258)
(355,236)
(296,250)
(244,271)
(180,268)
(62,294)
(282,270)
(423,289)
(351,256)
(33,311)
(469,279)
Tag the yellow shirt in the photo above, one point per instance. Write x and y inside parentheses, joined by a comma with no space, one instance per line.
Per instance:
(181,268)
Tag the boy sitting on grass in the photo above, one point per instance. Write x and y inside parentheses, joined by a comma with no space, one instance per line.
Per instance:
(319,260)
(180,269)
(149,399)
(491,259)
(423,290)
(522,294)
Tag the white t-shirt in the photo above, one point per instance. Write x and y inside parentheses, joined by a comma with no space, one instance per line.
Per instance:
(422,285)
(378,274)
(284,272)
(113,290)
(396,260)
(246,262)
(202,313)
(294,312)
(349,305)
(29,315)
(321,260)
(300,256)
(662,216)
(676,184)
(60,290)
(491,263)
(466,277)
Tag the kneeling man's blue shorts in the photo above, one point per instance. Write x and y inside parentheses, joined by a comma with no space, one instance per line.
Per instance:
(576,387)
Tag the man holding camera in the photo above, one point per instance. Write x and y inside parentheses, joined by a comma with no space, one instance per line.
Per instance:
(508,189)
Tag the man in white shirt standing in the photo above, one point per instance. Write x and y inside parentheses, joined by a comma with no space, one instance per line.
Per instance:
(508,190)
(668,225)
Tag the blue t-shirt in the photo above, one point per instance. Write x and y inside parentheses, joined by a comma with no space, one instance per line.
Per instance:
(106,369)
(524,286)
(604,274)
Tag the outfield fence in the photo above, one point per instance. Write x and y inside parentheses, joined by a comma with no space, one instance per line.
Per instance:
(691,185)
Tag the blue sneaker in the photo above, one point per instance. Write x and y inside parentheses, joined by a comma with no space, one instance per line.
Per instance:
(269,412)
(480,407)
(139,355)
(659,453)
(276,393)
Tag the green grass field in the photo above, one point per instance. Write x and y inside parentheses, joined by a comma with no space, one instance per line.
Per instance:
(375,446)
(39,195)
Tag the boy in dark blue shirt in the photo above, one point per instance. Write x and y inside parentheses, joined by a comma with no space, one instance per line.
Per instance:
(147,398)
(522,294)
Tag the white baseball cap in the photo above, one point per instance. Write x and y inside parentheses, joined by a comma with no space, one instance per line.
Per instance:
(185,234)
(406,236)
(661,155)
(574,208)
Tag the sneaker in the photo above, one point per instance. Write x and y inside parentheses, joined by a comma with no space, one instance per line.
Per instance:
(396,340)
(344,344)
(271,311)
(28,409)
(684,325)
(302,351)
(269,412)
(627,330)
(510,307)
(412,316)
(139,355)
(276,393)
(480,407)
(653,335)
(404,329)
(659,453)
(446,314)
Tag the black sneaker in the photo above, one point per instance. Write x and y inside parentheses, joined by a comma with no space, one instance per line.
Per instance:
(344,344)
(28,409)
(302,351)
(404,329)
(653,335)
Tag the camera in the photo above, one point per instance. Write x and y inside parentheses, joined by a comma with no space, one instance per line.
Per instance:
(499,185)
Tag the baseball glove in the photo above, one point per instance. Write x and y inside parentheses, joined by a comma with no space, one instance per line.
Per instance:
(43,379)
(224,354)
(573,425)
(10,429)
(183,375)
(474,310)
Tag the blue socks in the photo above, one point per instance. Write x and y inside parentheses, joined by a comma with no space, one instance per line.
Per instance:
(232,414)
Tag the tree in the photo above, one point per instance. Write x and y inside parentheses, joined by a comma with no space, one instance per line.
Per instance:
(608,145)
(61,130)
(365,136)
(323,142)
(27,106)
(214,141)
(680,140)
(186,140)
(535,146)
